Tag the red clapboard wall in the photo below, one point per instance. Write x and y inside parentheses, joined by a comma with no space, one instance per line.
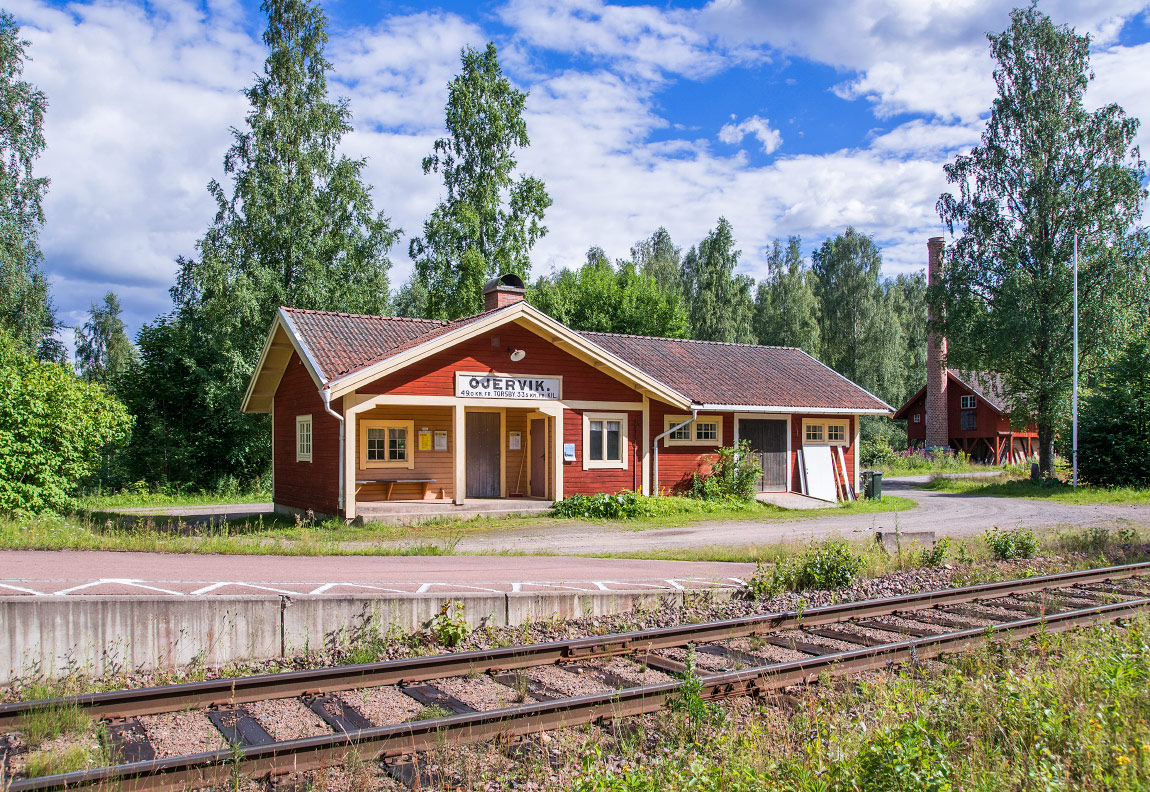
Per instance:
(305,485)
(678,464)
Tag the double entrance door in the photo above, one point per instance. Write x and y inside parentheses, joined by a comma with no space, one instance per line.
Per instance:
(768,440)
(484,457)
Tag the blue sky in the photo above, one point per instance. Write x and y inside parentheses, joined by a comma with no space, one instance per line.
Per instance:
(787,117)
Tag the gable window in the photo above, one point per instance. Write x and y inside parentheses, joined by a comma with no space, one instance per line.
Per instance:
(707,430)
(918,417)
(969,420)
(386,444)
(303,438)
(966,402)
(825,433)
(604,440)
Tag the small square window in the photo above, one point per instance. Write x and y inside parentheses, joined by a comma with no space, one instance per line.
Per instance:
(918,417)
(967,402)
(836,433)
(604,440)
(303,438)
(683,433)
(706,431)
(384,444)
(814,433)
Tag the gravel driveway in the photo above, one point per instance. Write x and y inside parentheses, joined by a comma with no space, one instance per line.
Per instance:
(940,513)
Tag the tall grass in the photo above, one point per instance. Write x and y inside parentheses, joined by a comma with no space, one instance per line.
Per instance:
(1064,712)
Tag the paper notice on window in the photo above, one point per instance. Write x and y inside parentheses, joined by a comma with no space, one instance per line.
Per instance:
(424,440)
(514,440)
(441,441)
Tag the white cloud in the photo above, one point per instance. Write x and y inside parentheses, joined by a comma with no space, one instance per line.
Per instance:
(769,138)
(644,41)
(141,101)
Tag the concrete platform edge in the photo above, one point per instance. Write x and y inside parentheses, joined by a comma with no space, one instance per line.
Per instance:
(99,635)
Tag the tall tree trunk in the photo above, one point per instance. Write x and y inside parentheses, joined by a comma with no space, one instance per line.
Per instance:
(1046,449)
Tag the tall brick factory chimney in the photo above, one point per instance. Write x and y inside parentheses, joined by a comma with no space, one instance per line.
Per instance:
(937,430)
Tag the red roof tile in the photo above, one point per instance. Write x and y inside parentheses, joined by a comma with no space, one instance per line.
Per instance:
(706,372)
(713,372)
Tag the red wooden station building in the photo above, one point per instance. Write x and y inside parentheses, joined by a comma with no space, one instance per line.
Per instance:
(512,403)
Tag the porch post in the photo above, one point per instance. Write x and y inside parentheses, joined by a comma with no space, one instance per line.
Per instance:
(646,456)
(350,418)
(459,486)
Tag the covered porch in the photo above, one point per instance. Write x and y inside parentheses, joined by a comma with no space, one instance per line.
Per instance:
(415,457)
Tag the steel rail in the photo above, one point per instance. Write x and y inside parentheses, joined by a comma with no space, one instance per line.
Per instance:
(232,691)
(166,775)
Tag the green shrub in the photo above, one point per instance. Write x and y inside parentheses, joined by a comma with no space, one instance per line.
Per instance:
(622,505)
(825,566)
(734,475)
(53,428)
(935,554)
(1008,545)
(1114,428)
(448,627)
(876,452)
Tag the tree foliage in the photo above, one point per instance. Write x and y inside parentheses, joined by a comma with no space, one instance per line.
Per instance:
(297,228)
(103,350)
(600,297)
(719,301)
(1046,169)
(1114,421)
(786,311)
(53,427)
(488,222)
(658,257)
(26,310)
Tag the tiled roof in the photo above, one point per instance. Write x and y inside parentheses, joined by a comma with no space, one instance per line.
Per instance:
(705,372)
(712,372)
(986,385)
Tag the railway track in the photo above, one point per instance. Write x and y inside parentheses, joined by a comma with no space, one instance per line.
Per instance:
(564,683)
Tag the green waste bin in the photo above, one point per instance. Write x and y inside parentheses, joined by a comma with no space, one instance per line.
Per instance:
(872,484)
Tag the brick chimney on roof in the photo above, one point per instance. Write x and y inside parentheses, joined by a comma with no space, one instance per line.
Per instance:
(503,291)
(937,430)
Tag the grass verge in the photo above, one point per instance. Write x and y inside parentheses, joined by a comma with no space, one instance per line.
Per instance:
(279,535)
(1046,489)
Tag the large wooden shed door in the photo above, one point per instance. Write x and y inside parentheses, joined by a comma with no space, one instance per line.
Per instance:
(483,447)
(768,439)
(538,458)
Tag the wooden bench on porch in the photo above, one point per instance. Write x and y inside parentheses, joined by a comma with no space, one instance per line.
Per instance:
(426,482)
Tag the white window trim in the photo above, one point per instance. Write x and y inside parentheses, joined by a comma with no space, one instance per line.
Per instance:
(605,464)
(824,423)
(967,402)
(674,420)
(300,421)
(379,423)
(918,417)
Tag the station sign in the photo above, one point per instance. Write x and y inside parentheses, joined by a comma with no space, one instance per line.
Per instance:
(507,386)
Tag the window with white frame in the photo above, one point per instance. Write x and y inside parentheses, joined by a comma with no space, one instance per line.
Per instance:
(303,438)
(918,417)
(706,430)
(386,444)
(604,440)
(818,432)
(966,402)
